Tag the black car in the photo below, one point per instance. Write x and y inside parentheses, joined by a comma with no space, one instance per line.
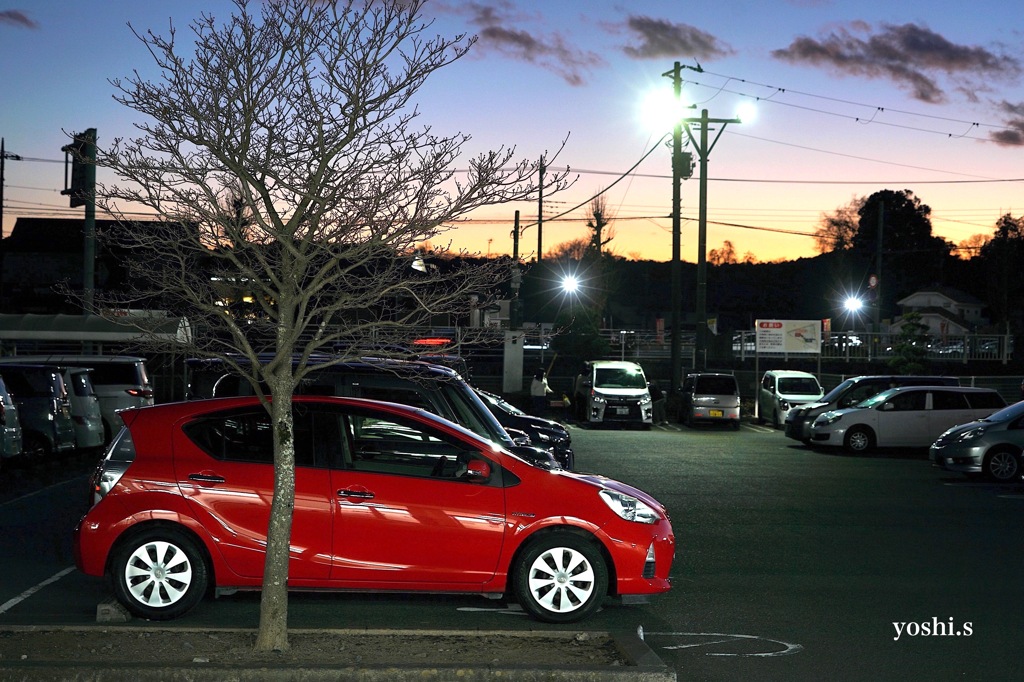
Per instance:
(543,433)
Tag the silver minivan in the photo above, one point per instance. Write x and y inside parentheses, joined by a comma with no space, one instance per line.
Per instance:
(85,408)
(906,416)
(710,397)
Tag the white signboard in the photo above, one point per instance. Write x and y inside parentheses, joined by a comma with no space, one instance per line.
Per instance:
(788,336)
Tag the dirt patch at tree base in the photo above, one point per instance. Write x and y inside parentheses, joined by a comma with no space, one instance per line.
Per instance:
(330,648)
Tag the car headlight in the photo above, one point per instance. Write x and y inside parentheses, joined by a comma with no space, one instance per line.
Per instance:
(827,418)
(541,436)
(629,507)
(783,405)
(598,398)
(645,400)
(971,434)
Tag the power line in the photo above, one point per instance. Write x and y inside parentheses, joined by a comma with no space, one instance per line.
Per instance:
(875,109)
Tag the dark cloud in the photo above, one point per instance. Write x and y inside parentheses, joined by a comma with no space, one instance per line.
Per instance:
(503,29)
(911,56)
(1013,134)
(658,38)
(17,18)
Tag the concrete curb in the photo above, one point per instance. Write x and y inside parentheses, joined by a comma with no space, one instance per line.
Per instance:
(643,665)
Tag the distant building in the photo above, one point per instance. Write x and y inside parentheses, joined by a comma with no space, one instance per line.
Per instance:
(944,311)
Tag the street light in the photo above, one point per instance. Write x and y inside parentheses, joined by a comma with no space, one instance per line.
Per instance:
(570,286)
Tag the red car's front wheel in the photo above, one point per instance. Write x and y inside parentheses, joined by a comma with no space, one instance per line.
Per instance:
(561,578)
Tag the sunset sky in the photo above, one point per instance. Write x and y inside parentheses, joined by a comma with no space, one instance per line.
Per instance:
(851,98)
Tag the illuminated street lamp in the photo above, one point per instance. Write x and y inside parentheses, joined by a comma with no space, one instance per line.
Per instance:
(570,287)
(853,305)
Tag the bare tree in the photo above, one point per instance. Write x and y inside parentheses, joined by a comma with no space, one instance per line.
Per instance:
(723,256)
(574,249)
(968,248)
(282,161)
(837,230)
(598,221)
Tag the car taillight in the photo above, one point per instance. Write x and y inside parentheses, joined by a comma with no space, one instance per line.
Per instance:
(106,476)
(140,392)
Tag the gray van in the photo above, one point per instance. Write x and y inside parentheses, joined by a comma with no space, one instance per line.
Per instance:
(44,408)
(849,393)
(10,425)
(120,381)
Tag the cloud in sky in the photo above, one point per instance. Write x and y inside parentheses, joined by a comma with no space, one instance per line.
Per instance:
(915,58)
(909,55)
(659,38)
(503,29)
(16,18)
(1013,134)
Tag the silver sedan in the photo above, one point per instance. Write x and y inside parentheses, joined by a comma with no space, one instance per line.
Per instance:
(991,446)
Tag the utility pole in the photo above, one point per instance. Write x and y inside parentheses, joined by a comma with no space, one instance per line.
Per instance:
(676,293)
(515,312)
(540,213)
(703,151)
(82,191)
(3,159)
(877,312)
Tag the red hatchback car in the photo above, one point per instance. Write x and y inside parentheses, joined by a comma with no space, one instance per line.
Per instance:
(387,498)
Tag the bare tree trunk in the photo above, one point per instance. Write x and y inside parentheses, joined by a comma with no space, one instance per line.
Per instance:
(273,628)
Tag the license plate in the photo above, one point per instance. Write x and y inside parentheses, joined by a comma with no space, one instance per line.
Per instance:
(621,410)
(715,413)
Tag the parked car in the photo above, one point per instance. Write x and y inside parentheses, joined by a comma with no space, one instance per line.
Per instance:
(85,408)
(906,416)
(613,391)
(393,499)
(849,393)
(44,408)
(990,446)
(783,389)
(435,388)
(10,426)
(710,397)
(120,381)
(543,433)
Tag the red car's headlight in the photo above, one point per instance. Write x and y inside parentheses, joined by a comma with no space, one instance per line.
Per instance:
(629,507)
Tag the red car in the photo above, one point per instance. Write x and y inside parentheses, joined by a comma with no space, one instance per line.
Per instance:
(387,498)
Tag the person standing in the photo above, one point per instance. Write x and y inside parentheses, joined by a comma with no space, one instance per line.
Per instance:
(657,403)
(539,391)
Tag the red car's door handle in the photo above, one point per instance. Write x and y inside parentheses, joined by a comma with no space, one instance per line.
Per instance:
(359,494)
(206,478)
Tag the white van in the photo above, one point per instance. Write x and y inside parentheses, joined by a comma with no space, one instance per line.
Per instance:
(782,389)
(613,391)
(120,381)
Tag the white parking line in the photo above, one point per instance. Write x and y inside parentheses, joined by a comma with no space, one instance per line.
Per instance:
(11,603)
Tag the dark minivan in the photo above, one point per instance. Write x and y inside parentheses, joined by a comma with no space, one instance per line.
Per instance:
(44,408)
(436,389)
(849,393)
